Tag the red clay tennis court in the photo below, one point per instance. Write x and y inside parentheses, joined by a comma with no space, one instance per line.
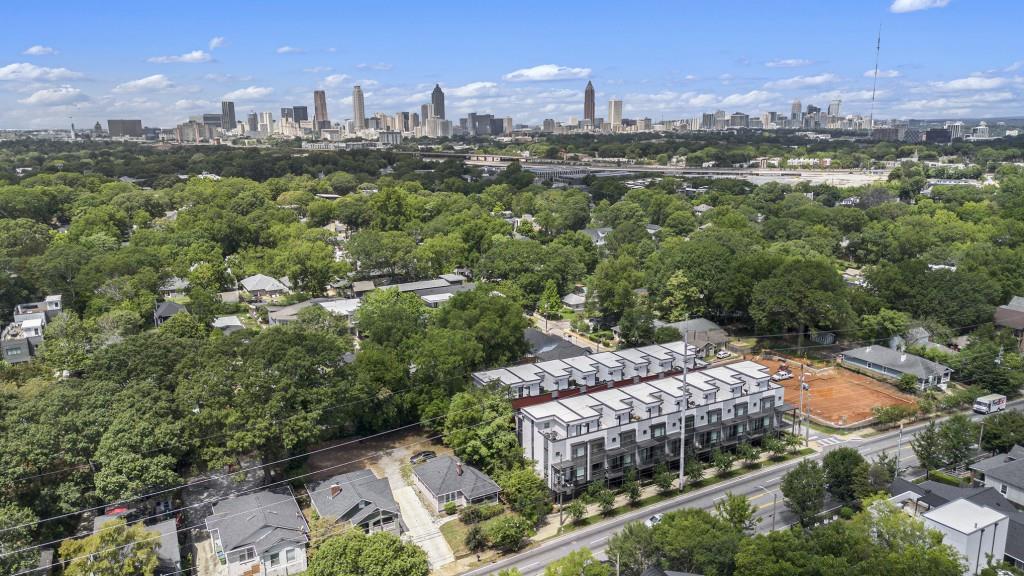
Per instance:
(840,397)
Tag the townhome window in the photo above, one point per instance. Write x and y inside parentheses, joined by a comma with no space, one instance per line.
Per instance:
(579,451)
(689,422)
(290,555)
(596,467)
(627,459)
(767,403)
(714,416)
(741,410)
(657,431)
(579,474)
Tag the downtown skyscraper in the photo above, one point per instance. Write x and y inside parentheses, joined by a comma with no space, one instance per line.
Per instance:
(227,116)
(437,101)
(358,109)
(588,103)
(320,119)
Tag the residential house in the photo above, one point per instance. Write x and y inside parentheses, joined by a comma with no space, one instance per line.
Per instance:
(445,479)
(895,363)
(544,347)
(702,333)
(357,499)
(20,339)
(1011,317)
(228,324)
(600,435)
(168,550)
(173,287)
(575,302)
(918,336)
(339,306)
(263,287)
(1005,473)
(978,521)
(259,534)
(165,310)
(597,235)
(702,209)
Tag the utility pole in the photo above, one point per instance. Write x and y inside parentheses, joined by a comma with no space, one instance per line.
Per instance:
(899,441)
(803,386)
(807,420)
(981,433)
(686,403)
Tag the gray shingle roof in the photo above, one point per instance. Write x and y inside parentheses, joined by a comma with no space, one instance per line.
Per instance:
(1009,317)
(905,363)
(357,488)
(1011,473)
(1015,453)
(169,552)
(261,519)
(168,309)
(440,477)
(263,283)
(545,347)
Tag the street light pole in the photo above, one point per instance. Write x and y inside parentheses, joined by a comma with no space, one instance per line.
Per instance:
(899,441)
(981,433)
(682,424)
(807,418)
(775,501)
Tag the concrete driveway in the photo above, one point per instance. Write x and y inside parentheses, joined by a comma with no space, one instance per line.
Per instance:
(423,529)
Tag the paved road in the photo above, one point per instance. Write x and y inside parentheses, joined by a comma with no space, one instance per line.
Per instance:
(760,486)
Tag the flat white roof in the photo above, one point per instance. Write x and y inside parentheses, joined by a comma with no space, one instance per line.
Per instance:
(680,348)
(656,351)
(556,368)
(549,409)
(612,398)
(582,406)
(964,516)
(582,364)
(502,375)
(700,381)
(526,372)
(633,356)
(723,374)
(671,386)
(609,359)
(32,323)
(437,298)
(643,392)
(748,368)
(345,307)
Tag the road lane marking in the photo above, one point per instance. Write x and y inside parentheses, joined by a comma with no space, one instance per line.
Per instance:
(598,541)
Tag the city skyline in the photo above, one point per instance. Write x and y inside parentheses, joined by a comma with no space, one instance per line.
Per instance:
(45,82)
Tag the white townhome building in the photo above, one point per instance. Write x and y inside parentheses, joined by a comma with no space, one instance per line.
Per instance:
(597,436)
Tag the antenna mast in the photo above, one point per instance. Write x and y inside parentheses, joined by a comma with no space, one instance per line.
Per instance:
(874,86)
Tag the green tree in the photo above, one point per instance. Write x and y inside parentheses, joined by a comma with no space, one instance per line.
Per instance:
(804,490)
(480,429)
(17,524)
(723,461)
(692,540)
(550,303)
(576,509)
(605,500)
(1003,430)
(846,473)
(683,299)
(525,492)
(749,453)
(611,286)
(508,533)
(883,325)
(391,318)
(956,437)
(693,468)
(633,549)
(353,553)
(907,383)
(577,563)
(66,343)
(927,446)
(495,321)
(775,446)
(116,550)
(476,540)
(738,512)
(636,327)
(663,479)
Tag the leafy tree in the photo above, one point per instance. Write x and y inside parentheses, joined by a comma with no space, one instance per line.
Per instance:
(353,553)
(692,540)
(663,479)
(66,343)
(637,325)
(390,318)
(577,563)
(507,533)
(846,473)
(183,325)
(611,286)
(738,512)
(907,383)
(723,460)
(116,550)
(693,468)
(632,489)
(14,538)
(576,509)
(633,549)
(885,324)
(956,437)
(476,540)
(683,299)
(882,471)
(480,429)
(775,446)
(1003,430)
(605,500)
(525,492)
(927,446)
(804,490)
(749,453)
(550,303)
(495,321)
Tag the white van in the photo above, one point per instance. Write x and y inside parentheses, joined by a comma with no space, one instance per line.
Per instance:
(990,403)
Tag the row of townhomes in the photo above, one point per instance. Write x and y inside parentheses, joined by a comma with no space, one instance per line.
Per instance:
(20,338)
(602,414)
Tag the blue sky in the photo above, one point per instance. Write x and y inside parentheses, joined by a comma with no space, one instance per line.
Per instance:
(163,61)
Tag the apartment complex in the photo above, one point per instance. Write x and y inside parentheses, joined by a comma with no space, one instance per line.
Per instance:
(598,436)
(20,338)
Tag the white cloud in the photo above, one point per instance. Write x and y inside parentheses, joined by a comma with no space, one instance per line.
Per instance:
(317,69)
(226,77)
(882,73)
(26,71)
(216,42)
(473,89)
(147,84)
(289,50)
(901,6)
(61,96)
(748,99)
(546,72)
(335,80)
(39,50)
(788,63)
(378,66)
(802,81)
(689,77)
(962,104)
(193,57)
(368,83)
(970,83)
(250,93)
(186,104)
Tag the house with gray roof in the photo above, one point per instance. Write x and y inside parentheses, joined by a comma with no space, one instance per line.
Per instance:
(1006,476)
(357,499)
(701,333)
(262,533)
(1011,317)
(575,302)
(173,287)
(597,235)
(894,364)
(165,310)
(228,324)
(445,479)
(168,550)
(261,286)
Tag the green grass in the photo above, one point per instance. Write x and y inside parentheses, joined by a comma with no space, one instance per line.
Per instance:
(455,532)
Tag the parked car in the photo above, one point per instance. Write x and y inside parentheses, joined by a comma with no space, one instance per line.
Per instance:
(653,520)
(780,376)
(422,456)
(723,354)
